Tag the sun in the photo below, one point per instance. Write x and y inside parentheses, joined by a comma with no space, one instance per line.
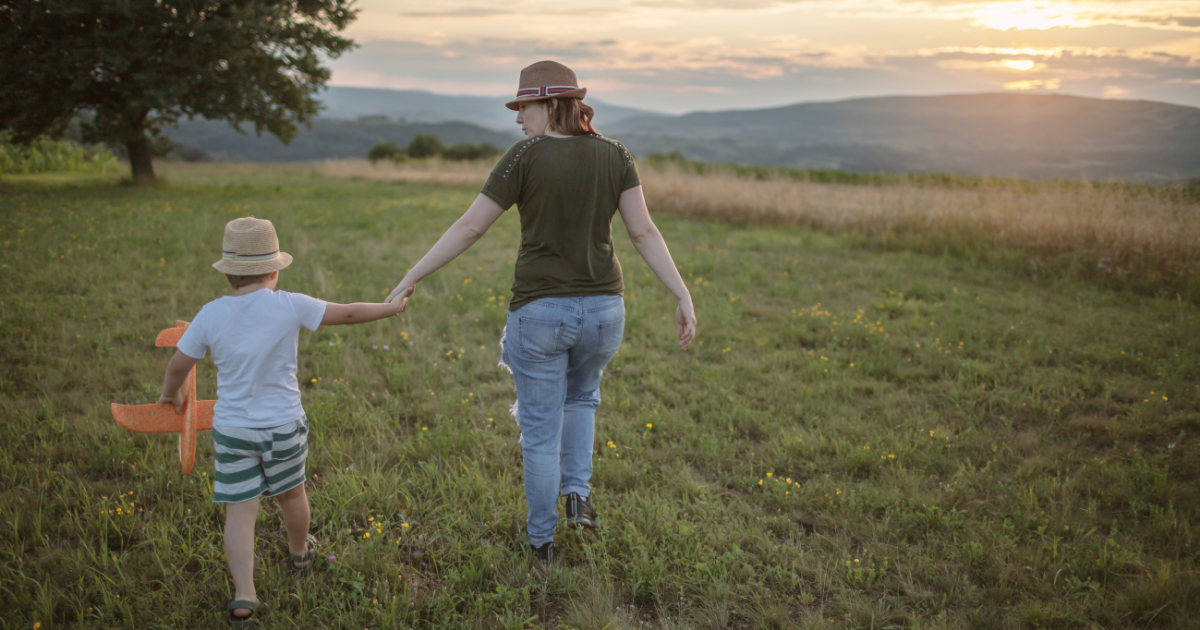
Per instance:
(1018,64)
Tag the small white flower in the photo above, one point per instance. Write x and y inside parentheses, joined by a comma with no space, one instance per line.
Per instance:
(1171,445)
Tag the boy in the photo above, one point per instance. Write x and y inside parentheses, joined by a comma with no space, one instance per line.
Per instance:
(259,426)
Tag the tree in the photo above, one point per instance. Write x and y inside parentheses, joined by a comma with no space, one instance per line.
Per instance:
(126,68)
(385,151)
(424,145)
(465,151)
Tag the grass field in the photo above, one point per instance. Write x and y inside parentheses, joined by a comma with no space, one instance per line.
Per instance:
(1128,236)
(862,438)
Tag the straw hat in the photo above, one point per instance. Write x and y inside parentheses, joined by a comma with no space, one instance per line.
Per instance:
(543,80)
(250,248)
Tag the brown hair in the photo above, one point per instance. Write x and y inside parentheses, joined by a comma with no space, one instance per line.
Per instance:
(571,116)
(238,282)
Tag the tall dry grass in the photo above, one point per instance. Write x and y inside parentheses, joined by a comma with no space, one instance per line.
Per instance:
(430,171)
(1145,238)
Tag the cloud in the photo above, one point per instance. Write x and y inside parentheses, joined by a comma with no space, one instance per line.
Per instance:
(467,12)
(690,54)
(1037,84)
(716,73)
(486,12)
(1040,15)
(721,5)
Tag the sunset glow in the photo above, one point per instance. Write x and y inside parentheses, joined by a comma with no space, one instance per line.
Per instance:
(1026,15)
(1018,64)
(686,55)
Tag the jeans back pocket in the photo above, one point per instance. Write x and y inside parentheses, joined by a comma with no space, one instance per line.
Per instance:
(610,334)
(539,341)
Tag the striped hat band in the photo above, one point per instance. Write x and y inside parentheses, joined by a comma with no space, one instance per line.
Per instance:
(236,257)
(546,90)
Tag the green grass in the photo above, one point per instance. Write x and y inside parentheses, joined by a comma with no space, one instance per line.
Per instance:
(966,447)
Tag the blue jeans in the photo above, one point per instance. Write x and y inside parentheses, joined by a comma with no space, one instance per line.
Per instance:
(557,349)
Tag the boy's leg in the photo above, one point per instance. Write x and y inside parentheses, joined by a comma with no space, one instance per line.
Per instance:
(294,505)
(239,549)
(284,466)
(238,483)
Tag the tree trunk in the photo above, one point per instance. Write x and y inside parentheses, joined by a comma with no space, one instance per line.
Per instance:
(140,161)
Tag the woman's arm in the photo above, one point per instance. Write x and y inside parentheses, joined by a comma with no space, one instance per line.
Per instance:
(650,244)
(468,229)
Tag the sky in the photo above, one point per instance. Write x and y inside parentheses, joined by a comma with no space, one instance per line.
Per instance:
(685,55)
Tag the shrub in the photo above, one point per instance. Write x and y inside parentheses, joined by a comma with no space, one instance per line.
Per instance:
(385,151)
(192,154)
(425,145)
(46,155)
(465,151)
(673,157)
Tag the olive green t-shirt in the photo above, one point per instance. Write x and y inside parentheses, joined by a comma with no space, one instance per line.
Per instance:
(566,190)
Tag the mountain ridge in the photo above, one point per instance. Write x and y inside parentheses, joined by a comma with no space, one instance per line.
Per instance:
(1023,135)
(1031,136)
(430,107)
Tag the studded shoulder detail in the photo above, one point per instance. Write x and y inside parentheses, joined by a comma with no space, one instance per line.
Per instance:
(517,156)
(624,151)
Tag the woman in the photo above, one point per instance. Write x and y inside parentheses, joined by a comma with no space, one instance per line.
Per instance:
(566,315)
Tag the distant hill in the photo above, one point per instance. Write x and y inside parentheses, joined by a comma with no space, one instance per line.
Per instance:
(327,139)
(420,106)
(1024,135)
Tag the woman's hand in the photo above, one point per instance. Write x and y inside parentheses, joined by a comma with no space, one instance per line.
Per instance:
(685,321)
(402,292)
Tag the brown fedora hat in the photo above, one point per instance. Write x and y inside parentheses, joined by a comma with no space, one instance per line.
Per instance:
(250,248)
(543,80)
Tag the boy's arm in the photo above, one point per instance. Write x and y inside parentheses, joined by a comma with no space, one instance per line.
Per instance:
(361,312)
(177,371)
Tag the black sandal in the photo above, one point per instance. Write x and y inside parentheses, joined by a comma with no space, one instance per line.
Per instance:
(309,557)
(241,623)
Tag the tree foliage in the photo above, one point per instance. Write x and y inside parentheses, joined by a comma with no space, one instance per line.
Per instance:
(466,151)
(45,155)
(134,66)
(425,145)
(386,151)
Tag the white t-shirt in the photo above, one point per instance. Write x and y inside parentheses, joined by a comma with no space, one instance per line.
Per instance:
(254,338)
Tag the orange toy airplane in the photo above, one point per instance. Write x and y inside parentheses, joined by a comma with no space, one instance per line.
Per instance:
(197,415)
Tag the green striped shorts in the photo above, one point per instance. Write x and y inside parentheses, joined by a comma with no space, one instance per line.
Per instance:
(256,462)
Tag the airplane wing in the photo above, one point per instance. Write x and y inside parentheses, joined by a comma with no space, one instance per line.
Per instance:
(161,417)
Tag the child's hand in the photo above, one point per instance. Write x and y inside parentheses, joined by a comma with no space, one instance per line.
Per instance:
(400,300)
(177,400)
(397,305)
